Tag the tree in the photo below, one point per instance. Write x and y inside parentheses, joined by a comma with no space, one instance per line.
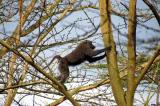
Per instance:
(33,32)
(133,80)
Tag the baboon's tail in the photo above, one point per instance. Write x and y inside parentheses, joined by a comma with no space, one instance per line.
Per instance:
(55,57)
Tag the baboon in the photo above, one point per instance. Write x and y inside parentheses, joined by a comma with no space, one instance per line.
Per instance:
(85,51)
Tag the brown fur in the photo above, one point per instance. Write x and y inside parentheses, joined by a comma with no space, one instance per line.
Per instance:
(83,52)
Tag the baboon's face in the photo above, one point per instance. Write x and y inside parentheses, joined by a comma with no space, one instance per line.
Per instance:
(90,44)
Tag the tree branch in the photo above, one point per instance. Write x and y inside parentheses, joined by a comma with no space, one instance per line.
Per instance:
(153,9)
